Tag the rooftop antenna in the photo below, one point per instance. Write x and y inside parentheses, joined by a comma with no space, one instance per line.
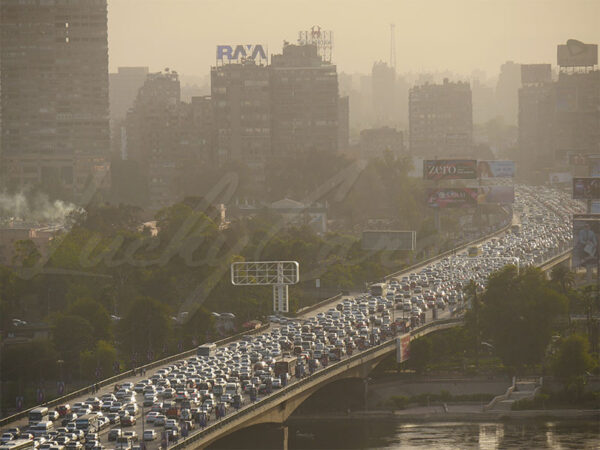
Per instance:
(393,46)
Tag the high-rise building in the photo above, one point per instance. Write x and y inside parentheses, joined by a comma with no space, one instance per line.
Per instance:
(152,139)
(304,102)
(441,120)
(537,100)
(507,92)
(383,78)
(242,113)
(54,97)
(376,142)
(123,89)
(343,122)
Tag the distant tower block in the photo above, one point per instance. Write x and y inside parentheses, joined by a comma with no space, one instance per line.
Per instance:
(393,46)
(279,274)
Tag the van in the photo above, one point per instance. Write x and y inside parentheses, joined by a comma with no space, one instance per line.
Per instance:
(41,428)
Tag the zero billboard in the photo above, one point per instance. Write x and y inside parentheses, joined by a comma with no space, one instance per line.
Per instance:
(496,194)
(577,54)
(449,169)
(587,188)
(389,240)
(495,169)
(452,198)
(586,231)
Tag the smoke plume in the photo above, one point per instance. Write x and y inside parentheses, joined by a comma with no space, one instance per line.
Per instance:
(36,208)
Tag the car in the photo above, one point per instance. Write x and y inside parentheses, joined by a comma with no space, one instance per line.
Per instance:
(114,418)
(114,434)
(160,420)
(74,445)
(7,437)
(128,421)
(53,415)
(131,434)
(151,416)
(149,435)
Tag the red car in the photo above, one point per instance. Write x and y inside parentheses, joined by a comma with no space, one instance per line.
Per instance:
(63,410)
(128,421)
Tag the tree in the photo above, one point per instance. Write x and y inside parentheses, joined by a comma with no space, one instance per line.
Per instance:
(518,314)
(145,327)
(72,335)
(563,278)
(420,353)
(473,321)
(572,363)
(26,253)
(95,314)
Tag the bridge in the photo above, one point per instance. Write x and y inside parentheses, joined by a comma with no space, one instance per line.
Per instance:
(277,408)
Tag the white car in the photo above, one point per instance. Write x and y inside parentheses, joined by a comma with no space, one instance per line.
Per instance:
(149,435)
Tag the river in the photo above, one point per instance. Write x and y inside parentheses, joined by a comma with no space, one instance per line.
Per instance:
(380,434)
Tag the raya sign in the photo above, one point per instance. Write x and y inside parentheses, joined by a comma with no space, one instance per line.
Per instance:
(449,169)
(452,198)
(495,169)
(586,231)
(230,53)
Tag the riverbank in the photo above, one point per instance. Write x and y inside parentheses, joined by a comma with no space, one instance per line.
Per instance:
(453,413)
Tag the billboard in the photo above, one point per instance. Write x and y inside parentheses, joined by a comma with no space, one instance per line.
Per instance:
(239,53)
(495,169)
(496,194)
(402,348)
(535,73)
(577,54)
(587,188)
(449,169)
(561,177)
(593,162)
(452,197)
(586,231)
(389,240)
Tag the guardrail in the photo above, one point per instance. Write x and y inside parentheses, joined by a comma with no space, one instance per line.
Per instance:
(343,364)
(126,374)
(310,308)
(447,253)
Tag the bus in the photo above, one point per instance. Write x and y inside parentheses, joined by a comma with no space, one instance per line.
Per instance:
(38,415)
(17,444)
(474,250)
(378,289)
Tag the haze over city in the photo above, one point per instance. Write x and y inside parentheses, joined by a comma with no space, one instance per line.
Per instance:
(431,35)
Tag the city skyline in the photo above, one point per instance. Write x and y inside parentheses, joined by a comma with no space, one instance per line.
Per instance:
(164,33)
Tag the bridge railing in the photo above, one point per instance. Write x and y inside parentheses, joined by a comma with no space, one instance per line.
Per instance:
(303,382)
(129,373)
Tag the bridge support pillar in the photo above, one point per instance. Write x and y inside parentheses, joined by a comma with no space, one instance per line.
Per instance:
(285,433)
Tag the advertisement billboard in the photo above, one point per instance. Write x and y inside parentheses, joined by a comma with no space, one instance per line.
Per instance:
(449,169)
(239,53)
(389,240)
(561,177)
(586,231)
(587,188)
(535,73)
(402,348)
(496,194)
(495,169)
(577,54)
(452,198)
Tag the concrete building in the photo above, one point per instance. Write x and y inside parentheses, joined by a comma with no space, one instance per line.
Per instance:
(343,122)
(383,78)
(507,92)
(376,142)
(242,113)
(537,99)
(152,140)
(304,102)
(123,88)
(441,120)
(54,97)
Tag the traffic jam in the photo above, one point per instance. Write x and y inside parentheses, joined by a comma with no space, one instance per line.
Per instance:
(175,401)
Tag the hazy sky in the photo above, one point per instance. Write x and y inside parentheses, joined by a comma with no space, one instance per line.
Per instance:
(458,35)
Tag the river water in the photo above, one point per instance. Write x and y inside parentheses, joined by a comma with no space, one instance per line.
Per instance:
(390,434)
(384,434)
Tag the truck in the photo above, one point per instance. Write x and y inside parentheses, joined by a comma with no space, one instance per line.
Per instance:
(378,289)
(207,350)
(286,365)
